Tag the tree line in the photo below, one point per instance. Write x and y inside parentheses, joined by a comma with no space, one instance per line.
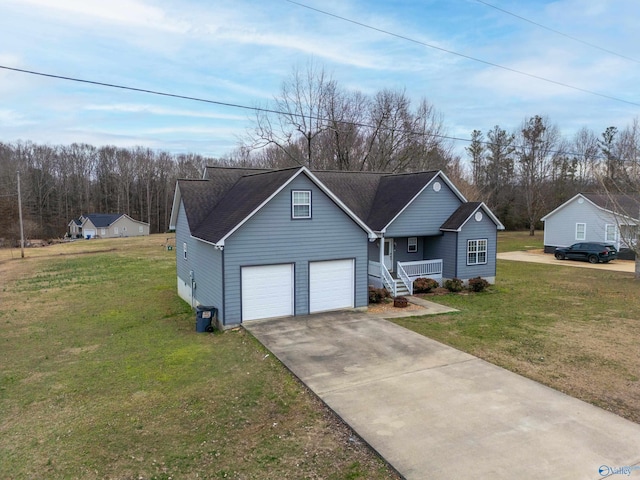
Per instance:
(61,182)
(520,174)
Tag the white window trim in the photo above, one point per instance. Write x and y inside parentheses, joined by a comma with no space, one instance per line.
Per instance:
(412,244)
(606,232)
(184,250)
(584,232)
(295,204)
(475,243)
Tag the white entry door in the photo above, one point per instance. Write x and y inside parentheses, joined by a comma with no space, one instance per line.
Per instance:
(388,253)
(267,291)
(331,285)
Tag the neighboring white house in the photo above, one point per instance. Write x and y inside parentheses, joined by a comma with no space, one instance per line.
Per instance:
(107,225)
(589,217)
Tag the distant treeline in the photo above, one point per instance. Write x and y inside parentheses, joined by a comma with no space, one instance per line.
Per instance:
(59,183)
(520,175)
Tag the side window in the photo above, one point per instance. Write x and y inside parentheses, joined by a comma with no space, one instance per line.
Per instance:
(610,233)
(581,231)
(477,252)
(184,250)
(412,244)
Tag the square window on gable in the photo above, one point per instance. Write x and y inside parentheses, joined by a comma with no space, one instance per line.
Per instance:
(301,204)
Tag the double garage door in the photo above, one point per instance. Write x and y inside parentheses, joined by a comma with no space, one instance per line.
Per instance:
(269,290)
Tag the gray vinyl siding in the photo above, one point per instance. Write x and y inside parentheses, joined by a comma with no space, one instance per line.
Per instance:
(473,230)
(204,260)
(402,255)
(426,214)
(560,228)
(445,248)
(272,237)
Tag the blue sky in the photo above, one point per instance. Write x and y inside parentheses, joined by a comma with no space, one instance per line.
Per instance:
(240,51)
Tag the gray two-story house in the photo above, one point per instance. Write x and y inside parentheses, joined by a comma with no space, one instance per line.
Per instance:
(257,243)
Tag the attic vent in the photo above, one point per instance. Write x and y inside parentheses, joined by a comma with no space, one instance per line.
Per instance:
(478,216)
(437,187)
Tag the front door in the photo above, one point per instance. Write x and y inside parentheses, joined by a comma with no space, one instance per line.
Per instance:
(388,253)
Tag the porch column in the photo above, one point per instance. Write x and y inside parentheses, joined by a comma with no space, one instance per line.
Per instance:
(381,258)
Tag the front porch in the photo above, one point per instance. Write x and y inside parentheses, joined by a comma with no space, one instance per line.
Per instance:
(401,281)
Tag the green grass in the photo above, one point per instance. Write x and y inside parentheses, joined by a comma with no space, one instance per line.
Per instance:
(573,329)
(103,376)
(520,240)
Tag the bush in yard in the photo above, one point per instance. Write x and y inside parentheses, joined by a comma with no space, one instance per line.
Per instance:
(454,285)
(377,295)
(478,284)
(424,285)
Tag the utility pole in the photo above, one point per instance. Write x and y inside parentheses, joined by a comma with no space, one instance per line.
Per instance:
(20,213)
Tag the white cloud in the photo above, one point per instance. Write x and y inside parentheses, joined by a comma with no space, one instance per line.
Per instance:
(10,118)
(126,12)
(156,110)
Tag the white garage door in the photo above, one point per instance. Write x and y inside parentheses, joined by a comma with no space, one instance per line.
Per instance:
(331,285)
(89,233)
(267,291)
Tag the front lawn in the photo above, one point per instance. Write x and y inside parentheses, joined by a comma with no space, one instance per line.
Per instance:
(103,376)
(520,240)
(575,330)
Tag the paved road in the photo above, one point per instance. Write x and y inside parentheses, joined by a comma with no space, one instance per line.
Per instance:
(434,412)
(524,256)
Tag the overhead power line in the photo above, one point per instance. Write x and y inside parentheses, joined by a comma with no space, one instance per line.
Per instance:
(468,57)
(215,102)
(557,32)
(245,107)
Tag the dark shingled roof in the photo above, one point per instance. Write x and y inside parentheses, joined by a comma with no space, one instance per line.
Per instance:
(226,196)
(356,190)
(460,216)
(239,201)
(623,204)
(102,220)
(393,194)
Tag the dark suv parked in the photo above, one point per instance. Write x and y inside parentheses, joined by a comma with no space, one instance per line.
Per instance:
(593,252)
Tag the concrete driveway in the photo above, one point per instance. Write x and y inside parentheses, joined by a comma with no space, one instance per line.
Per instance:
(434,412)
(538,257)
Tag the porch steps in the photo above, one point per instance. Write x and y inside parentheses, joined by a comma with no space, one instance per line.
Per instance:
(401,288)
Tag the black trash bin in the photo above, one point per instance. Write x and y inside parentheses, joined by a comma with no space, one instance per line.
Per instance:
(204,316)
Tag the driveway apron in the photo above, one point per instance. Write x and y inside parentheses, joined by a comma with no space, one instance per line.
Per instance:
(434,412)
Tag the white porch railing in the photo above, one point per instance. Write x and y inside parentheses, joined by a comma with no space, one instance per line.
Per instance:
(376,270)
(422,268)
(409,271)
(405,278)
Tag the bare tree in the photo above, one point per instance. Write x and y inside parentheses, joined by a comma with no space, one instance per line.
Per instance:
(300,119)
(585,153)
(538,143)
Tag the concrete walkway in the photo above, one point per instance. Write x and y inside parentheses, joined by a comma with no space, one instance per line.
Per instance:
(434,412)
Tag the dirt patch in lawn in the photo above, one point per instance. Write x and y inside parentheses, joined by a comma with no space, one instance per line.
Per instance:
(387,307)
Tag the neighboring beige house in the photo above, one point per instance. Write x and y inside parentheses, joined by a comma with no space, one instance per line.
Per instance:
(107,225)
